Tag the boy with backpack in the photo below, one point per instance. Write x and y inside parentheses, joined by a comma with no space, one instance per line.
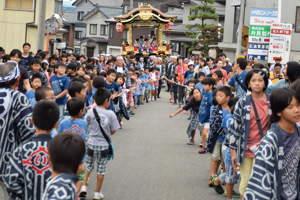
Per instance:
(103,123)
(28,171)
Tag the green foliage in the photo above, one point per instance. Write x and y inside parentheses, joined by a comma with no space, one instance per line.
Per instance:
(204,34)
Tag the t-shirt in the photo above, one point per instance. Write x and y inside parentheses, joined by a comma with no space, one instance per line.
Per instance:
(189,75)
(200,86)
(90,96)
(193,104)
(254,137)
(205,105)
(228,68)
(144,79)
(59,84)
(275,80)
(31,97)
(25,61)
(239,90)
(78,126)
(290,164)
(224,113)
(23,75)
(112,88)
(109,123)
(71,77)
(226,124)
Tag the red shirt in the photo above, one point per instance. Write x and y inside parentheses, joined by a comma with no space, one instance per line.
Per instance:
(254,137)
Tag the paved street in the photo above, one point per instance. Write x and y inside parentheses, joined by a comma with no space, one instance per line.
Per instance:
(152,160)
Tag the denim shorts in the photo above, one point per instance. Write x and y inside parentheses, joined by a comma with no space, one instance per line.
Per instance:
(151,87)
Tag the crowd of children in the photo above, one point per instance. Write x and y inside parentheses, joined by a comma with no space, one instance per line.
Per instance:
(247,117)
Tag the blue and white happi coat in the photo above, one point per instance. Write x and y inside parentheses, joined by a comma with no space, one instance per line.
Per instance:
(15,124)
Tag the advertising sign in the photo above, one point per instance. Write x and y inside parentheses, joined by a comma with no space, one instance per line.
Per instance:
(263,17)
(280,42)
(260,51)
(259,34)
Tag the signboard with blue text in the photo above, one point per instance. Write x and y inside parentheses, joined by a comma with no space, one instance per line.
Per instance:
(259,51)
(263,17)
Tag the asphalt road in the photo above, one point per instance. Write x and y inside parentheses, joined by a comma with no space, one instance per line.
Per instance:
(153,161)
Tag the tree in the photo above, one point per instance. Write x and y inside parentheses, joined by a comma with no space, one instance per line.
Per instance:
(204,34)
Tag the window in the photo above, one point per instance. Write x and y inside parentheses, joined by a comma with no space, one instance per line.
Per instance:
(297,23)
(111,32)
(19,4)
(93,29)
(125,9)
(77,34)
(237,14)
(103,30)
(80,15)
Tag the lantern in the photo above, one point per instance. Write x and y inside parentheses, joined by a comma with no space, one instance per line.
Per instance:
(169,27)
(119,28)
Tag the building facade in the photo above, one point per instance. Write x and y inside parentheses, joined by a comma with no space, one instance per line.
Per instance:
(18,22)
(290,14)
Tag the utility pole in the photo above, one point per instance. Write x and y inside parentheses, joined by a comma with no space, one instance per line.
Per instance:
(241,25)
(41,25)
(279,10)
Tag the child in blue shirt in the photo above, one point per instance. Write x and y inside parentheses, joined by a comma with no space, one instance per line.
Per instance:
(36,82)
(111,85)
(138,92)
(217,134)
(204,114)
(147,84)
(199,85)
(144,84)
(60,84)
(230,177)
(76,125)
(190,74)
(36,66)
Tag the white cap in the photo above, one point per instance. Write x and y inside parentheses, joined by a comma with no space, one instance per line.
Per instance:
(190,63)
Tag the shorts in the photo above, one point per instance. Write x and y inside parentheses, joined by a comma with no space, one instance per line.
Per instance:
(131,104)
(156,87)
(143,91)
(231,175)
(206,125)
(216,154)
(152,87)
(81,176)
(224,150)
(101,161)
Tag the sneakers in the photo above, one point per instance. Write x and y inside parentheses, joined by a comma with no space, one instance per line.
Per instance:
(210,182)
(218,188)
(155,98)
(189,118)
(82,192)
(179,106)
(142,103)
(200,145)
(152,98)
(174,103)
(135,106)
(185,112)
(98,195)
(158,97)
(202,150)
(131,113)
(147,100)
(190,142)
(234,194)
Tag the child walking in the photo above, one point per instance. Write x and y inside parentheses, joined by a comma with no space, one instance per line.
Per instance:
(97,145)
(193,104)
(204,110)
(279,151)
(217,134)
(246,130)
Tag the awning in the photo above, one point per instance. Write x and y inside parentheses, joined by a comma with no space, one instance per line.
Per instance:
(235,3)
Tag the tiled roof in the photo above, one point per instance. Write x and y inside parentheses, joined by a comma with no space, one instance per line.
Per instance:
(96,39)
(117,3)
(70,17)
